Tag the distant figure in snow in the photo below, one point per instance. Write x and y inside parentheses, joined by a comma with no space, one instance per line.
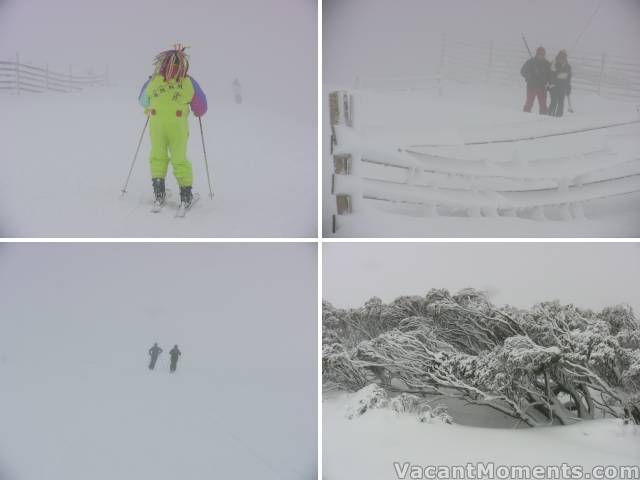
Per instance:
(175,354)
(237,91)
(166,97)
(560,83)
(537,73)
(154,352)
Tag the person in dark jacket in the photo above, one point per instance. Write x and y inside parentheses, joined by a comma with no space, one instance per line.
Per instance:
(537,73)
(175,354)
(154,352)
(560,83)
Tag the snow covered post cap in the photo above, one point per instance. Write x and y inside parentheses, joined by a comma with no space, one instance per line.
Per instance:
(341,108)
(343,183)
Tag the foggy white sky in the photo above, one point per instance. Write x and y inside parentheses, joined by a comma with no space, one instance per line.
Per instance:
(590,275)
(271,46)
(403,37)
(226,305)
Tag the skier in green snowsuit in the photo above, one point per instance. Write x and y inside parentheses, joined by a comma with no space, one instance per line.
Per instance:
(166,97)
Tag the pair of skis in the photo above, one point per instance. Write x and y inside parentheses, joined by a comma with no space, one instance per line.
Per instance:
(182,209)
(206,164)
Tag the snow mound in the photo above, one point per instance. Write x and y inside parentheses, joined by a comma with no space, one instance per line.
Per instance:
(367,448)
(367,398)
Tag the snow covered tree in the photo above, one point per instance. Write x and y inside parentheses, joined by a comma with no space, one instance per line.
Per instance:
(339,370)
(551,364)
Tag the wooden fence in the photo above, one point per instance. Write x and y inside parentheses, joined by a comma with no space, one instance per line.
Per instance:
(430,185)
(604,74)
(17,77)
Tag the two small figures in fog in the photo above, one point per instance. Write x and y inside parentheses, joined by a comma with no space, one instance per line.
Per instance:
(155,351)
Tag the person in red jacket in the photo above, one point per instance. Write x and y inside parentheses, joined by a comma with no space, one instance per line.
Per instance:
(537,73)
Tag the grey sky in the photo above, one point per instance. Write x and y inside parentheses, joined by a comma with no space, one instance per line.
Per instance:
(271,46)
(587,274)
(403,37)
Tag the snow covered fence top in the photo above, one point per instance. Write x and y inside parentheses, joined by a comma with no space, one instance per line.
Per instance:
(399,179)
(17,77)
(488,61)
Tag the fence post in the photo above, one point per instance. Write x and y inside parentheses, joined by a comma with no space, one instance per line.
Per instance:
(18,73)
(602,63)
(341,114)
(490,63)
(442,53)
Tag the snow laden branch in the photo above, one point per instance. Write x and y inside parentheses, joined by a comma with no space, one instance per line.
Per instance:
(552,364)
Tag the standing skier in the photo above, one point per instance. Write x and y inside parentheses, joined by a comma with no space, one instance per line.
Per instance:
(537,73)
(175,354)
(560,83)
(154,352)
(166,97)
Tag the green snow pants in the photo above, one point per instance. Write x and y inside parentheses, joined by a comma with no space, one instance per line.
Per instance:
(169,135)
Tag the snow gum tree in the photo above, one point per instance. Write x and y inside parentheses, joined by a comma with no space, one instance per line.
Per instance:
(551,364)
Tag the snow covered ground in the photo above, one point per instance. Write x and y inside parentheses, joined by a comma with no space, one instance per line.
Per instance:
(427,132)
(69,155)
(77,400)
(367,446)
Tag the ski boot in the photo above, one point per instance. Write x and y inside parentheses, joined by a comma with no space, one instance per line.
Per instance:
(159,194)
(186,197)
(158,190)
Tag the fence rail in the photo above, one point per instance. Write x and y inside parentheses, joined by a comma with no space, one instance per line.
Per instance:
(610,76)
(17,77)
(431,185)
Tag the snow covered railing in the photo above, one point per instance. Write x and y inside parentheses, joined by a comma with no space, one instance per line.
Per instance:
(487,61)
(603,74)
(513,135)
(18,77)
(340,114)
(435,185)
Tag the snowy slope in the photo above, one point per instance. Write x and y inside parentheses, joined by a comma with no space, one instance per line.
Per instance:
(367,446)
(68,157)
(77,400)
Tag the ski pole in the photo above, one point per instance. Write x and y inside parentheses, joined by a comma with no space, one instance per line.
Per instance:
(206,163)
(527,45)
(124,189)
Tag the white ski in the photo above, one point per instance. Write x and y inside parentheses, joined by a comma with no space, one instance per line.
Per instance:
(158,206)
(182,210)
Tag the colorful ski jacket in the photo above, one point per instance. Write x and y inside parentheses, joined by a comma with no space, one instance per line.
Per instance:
(173,96)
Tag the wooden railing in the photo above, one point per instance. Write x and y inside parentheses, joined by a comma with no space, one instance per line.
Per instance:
(17,77)
(604,74)
(403,177)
